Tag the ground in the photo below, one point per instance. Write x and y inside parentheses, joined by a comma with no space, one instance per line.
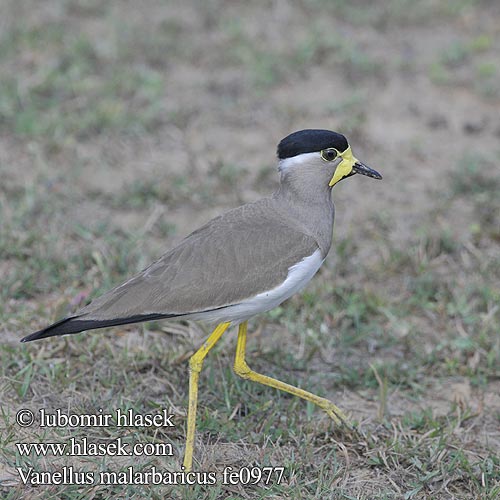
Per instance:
(125,125)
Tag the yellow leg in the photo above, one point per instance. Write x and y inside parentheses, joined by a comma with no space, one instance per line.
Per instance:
(243,370)
(195,365)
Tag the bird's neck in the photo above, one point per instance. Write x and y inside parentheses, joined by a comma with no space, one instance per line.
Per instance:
(309,207)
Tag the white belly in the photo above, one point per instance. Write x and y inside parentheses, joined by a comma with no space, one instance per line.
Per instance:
(298,276)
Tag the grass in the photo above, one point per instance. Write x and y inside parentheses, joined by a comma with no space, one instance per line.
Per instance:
(124,129)
(468,61)
(77,90)
(418,451)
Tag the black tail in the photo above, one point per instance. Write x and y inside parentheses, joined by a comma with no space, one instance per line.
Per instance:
(76,324)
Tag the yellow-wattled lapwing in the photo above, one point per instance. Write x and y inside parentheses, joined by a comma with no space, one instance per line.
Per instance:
(239,264)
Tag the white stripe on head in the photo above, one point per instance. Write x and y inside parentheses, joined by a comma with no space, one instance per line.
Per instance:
(294,161)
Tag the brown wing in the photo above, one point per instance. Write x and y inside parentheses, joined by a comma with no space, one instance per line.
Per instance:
(243,252)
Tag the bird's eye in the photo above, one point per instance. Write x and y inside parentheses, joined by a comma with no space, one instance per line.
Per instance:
(329,154)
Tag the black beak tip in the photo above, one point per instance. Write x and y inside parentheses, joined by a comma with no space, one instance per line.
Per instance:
(361,168)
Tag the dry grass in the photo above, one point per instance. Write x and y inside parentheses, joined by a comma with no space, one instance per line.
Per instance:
(125,126)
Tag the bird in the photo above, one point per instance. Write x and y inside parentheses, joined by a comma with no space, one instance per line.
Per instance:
(241,263)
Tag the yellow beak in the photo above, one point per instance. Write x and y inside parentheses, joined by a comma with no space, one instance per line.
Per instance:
(344,168)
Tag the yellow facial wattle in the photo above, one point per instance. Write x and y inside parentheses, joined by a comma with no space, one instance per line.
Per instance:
(345,167)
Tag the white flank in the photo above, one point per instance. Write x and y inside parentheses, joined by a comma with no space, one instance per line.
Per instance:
(298,276)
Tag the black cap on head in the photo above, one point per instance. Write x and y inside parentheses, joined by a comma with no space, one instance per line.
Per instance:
(310,141)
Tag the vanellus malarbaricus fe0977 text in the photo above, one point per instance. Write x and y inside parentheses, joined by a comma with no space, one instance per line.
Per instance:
(244,262)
